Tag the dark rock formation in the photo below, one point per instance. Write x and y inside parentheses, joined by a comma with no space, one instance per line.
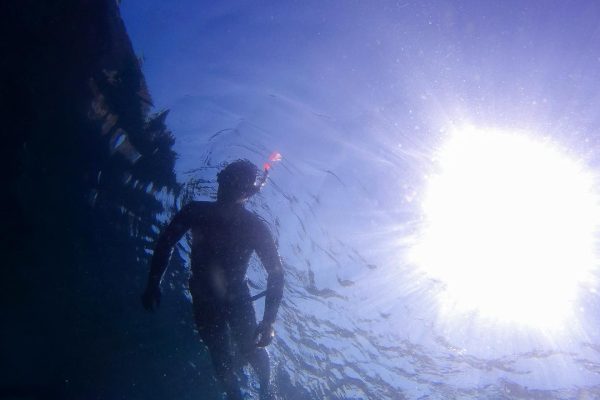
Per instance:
(87,173)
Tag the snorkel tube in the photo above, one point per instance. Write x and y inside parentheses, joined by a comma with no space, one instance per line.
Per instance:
(262,179)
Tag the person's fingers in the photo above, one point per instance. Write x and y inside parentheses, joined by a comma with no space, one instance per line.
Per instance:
(264,341)
(258,331)
(264,335)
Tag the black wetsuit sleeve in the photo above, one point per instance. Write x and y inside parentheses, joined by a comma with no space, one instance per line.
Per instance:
(267,252)
(180,224)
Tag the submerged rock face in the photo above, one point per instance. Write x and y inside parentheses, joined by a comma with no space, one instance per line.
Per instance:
(88,173)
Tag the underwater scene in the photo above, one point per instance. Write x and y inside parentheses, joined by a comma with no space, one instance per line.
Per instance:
(300,200)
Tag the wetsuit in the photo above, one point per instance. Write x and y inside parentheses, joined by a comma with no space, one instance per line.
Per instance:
(224,236)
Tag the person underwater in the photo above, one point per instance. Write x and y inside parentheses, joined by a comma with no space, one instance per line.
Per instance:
(224,236)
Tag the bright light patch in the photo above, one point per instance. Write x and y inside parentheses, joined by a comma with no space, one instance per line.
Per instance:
(509,227)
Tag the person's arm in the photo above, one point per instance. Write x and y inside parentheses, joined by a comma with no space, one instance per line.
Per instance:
(267,252)
(166,240)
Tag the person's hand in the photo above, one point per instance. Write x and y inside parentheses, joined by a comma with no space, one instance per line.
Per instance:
(264,334)
(151,298)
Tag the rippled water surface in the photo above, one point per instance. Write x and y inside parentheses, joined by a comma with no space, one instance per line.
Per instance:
(357,97)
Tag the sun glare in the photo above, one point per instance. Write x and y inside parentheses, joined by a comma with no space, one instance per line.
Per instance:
(509,228)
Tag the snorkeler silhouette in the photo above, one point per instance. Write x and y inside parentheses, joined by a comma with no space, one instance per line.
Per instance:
(224,235)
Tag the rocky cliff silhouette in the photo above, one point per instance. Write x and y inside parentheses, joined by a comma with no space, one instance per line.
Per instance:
(88,173)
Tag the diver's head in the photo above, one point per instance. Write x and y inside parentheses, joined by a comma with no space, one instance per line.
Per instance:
(237,182)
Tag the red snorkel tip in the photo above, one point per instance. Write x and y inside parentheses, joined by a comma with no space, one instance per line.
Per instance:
(274,157)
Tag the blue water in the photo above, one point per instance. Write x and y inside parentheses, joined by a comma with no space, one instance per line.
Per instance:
(357,97)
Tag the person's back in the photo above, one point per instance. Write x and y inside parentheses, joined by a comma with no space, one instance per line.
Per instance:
(224,235)
(223,239)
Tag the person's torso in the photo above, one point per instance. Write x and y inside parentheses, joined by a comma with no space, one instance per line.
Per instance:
(222,242)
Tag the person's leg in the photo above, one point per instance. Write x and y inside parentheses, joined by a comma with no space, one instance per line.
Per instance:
(221,359)
(243,328)
(259,359)
(212,327)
